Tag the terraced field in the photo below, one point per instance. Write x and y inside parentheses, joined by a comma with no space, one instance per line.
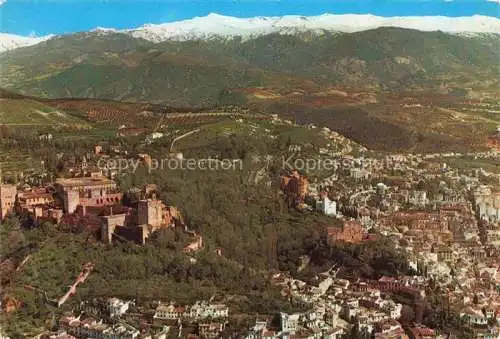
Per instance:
(12,162)
(29,112)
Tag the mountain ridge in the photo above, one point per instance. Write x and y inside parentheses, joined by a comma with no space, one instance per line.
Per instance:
(88,64)
(214,25)
(219,26)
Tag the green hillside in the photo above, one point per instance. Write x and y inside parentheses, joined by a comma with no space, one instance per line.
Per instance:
(29,112)
(117,66)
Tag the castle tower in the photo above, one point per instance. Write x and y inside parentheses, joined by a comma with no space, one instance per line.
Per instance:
(71,201)
(150,212)
(7,199)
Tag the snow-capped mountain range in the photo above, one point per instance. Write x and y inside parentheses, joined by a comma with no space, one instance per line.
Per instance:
(215,25)
(12,41)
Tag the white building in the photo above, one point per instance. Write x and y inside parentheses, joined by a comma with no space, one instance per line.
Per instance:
(289,322)
(326,206)
(487,203)
(156,135)
(117,307)
(473,316)
(325,284)
(393,310)
(46,137)
(153,136)
(418,198)
(488,211)
(202,310)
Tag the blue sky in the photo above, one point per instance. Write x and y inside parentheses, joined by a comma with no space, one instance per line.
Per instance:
(40,17)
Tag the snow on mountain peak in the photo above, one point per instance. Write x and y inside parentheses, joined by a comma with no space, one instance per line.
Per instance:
(216,25)
(104,30)
(12,41)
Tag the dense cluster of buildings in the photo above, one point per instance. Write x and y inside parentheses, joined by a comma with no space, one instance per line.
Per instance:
(197,311)
(90,328)
(446,221)
(336,304)
(112,319)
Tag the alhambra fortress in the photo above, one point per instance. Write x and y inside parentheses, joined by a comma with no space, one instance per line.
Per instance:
(94,202)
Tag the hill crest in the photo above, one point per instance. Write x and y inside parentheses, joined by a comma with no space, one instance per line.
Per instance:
(220,26)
